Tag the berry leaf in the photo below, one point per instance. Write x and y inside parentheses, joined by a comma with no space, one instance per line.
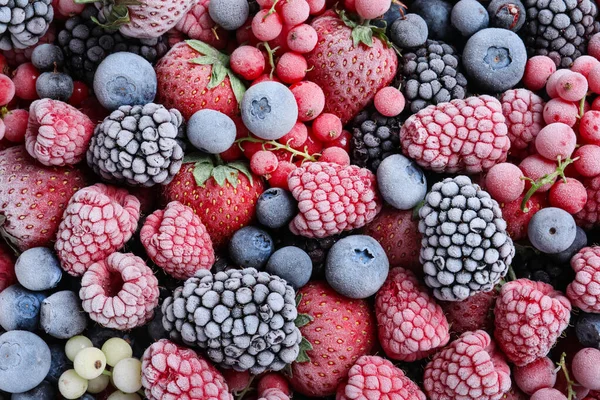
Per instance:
(219,173)
(232,176)
(204,48)
(362,34)
(302,320)
(202,171)
(243,168)
(237,86)
(197,158)
(217,75)
(305,346)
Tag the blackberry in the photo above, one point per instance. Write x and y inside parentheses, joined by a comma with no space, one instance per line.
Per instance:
(374,137)
(559,29)
(23,22)
(531,264)
(85,44)
(431,74)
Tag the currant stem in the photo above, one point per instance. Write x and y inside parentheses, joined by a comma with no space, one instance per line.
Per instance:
(563,366)
(546,179)
(248,387)
(582,107)
(271,53)
(271,10)
(278,146)
(511,274)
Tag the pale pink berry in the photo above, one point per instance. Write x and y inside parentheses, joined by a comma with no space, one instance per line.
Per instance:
(572,86)
(584,65)
(559,110)
(503,182)
(588,160)
(389,101)
(556,140)
(371,9)
(571,195)
(537,71)
(302,38)
(266,26)
(536,375)
(585,368)
(535,167)
(552,83)
(589,127)
(548,394)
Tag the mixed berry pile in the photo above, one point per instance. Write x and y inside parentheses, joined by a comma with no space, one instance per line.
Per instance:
(296,199)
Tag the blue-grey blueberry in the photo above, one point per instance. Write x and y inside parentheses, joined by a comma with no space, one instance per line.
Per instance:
(275,208)
(409,31)
(24,361)
(552,230)
(38,269)
(401,182)
(20,308)
(229,14)
(43,391)
(469,16)
(211,131)
(251,247)
(292,264)
(61,315)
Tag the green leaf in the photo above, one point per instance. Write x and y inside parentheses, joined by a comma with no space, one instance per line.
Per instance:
(232,176)
(237,86)
(220,174)
(217,75)
(198,158)
(202,172)
(203,48)
(243,168)
(362,34)
(129,2)
(302,320)
(305,346)
(84,1)
(204,60)
(298,299)
(345,19)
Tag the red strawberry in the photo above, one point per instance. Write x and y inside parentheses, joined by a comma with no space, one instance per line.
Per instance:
(193,76)
(350,63)
(341,330)
(224,198)
(7,266)
(472,313)
(33,198)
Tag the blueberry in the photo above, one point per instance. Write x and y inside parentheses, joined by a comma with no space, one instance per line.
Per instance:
(275,208)
(495,59)
(20,308)
(43,391)
(124,79)
(156,330)
(59,362)
(24,361)
(401,182)
(211,131)
(357,266)
(410,31)
(251,247)
(61,315)
(507,14)
(396,10)
(292,264)
(579,243)
(38,269)
(229,14)
(269,110)
(47,57)
(551,230)
(587,329)
(469,16)
(436,14)
(54,85)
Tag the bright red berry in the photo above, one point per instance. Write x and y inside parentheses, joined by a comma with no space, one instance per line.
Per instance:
(503,182)
(589,127)
(556,140)
(266,26)
(248,62)
(559,110)
(7,90)
(327,127)
(291,67)
(389,101)
(537,71)
(343,141)
(571,195)
(263,162)
(24,79)
(265,3)
(535,167)
(279,178)
(296,137)
(371,9)
(80,93)
(310,99)
(295,12)
(588,160)
(302,38)
(572,86)
(335,155)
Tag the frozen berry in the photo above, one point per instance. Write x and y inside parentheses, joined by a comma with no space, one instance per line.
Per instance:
(25,77)
(589,127)
(335,155)
(556,140)
(548,394)
(551,230)
(279,178)
(302,38)
(275,208)
(535,167)
(594,46)
(389,101)
(251,247)
(503,182)
(371,9)
(248,62)
(292,264)
(571,195)
(316,6)
(296,137)
(291,67)
(409,31)
(587,160)
(594,79)
(229,14)
(7,90)
(310,99)
(537,71)
(263,162)
(552,83)
(80,93)
(266,26)
(54,85)
(47,57)
(295,12)
(327,127)
(536,375)
(585,368)
(559,110)
(572,86)
(203,126)
(584,65)
(469,17)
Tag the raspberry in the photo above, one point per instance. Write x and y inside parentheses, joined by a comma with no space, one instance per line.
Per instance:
(197,24)
(266,26)
(559,110)
(472,313)
(98,221)
(172,372)
(273,394)
(584,291)
(120,292)
(572,86)
(7,267)
(327,127)
(296,137)
(460,136)
(291,67)
(373,377)
(587,161)
(584,65)
(411,324)
(589,127)
(335,155)
(503,182)
(389,101)
(16,125)
(535,167)
(310,99)
(537,71)
(488,376)
(536,375)
(295,12)
(7,90)
(552,83)
(302,38)
(523,110)
(571,195)
(332,198)
(57,134)
(556,140)
(177,241)
(529,317)
(263,162)
(248,62)
(590,215)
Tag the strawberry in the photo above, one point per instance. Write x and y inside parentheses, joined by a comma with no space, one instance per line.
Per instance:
(471,314)
(224,198)
(339,331)
(33,198)
(350,63)
(194,76)
(7,266)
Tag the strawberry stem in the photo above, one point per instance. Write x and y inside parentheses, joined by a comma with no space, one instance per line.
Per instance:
(271,145)
(546,179)
(563,366)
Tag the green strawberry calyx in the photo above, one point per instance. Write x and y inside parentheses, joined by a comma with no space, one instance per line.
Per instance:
(117,15)
(220,67)
(206,167)
(363,32)
(305,345)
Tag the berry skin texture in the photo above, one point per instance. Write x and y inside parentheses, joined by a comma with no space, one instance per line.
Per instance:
(585,368)
(588,160)
(551,230)
(310,99)
(371,9)
(572,86)
(266,26)
(302,39)
(582,291)
(273,380)
(173,372)
(455,147)
(176,240)
(291,67)
(7,90)
(98,220)
(559,110)
(523,111)
(548,394)
(529,318)
(273,394)
(57,133)
(279,178)
(535,167)
(24,78)
(537,71)
(295,12)
(263,162)
(248,62)
(16,125)
(472,313)
(411,325)
(325,207)
(120,292)
(374,377)
(335,155)
(584,65)
(589,127)
(571,195)
(327,127)
(7,267)
(556,140)
(503,182)
(488,377)
(389,102)
(534,376)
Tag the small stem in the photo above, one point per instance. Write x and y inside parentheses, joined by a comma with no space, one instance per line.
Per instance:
(511,273)
(218,160)
(241,395)
(545,180)
(563,366)
(581,107)
(278,146)
(271,10)
(107,373)
(3,111)
(271,53)
(214,31)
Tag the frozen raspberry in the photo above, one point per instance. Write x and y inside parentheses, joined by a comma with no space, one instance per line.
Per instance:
(571,195)
(373,377)
(536,375)
(471,314)
(559,110)
(57,133)
(411,324)
(172,372)
(587,161)
(177,241)
(7,267)
(98,221)
(460,136)
(537,71)
(469,368)
(332,198)
(590,215)
(273,394)
(197,24)
(584,291)
(523,110)
(120,292)
(503,182)
(529,318)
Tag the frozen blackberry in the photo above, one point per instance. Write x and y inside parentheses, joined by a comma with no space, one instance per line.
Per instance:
(536,266)
(243,319)
(85,44)
(374,137)
(23,22)
(431,75)
(465,248)
(559,29)
(138,145)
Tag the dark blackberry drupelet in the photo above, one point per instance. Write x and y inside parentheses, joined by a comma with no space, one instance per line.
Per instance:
(559,29)
(374,137)
(540,267)
(431,75)
(85,44)
(23,22)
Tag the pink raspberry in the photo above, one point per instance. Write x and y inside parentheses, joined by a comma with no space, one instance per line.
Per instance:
(584,291)
(273,394)
(172,372)
(469,368)
(529,316)
(98,220)
(177,241)
(373,377)
(411,324)
(471,314)
(523,110)
(57,133)
(120,292)
(590,215)
(197,24)
(460,136)
(332,198)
